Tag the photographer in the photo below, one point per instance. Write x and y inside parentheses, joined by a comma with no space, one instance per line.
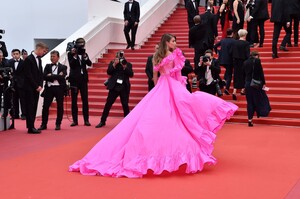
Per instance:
(78,78)
(208,72)
(54,75)
(2,45)
(3,75)
(118,85)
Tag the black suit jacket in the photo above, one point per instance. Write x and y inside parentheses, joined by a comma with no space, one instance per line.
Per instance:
(215,71)
(76,66)
(241,49)
(32,73)
(253,65)
(294,7)
(280,11)
(149,68)
(198,37)
(17,74)
(118,72)
(60,78)
(191,10)
(209,20)
(260,10)
(134,14)
(225,54)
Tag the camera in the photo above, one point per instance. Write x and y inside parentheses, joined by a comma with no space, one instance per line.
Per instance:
(2,31)
(79,48)
(205,59)
(218,89)
(122,59)
(6,73)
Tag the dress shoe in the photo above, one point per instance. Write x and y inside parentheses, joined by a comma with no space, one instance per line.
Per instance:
(132,48)
(274,56)
(100,125)
(87,123)
(250,123)
(261,45)
(34,131)
(128,46)
(74,124)
(57,127)
(296,45)
(16,117)
(23,117)
(283,48)
(43,127)
(234,96)
(251,45)
(289,45)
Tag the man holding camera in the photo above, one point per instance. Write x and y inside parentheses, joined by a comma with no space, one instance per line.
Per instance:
(78,78)
(208,72)
(118,85)
(2,45)
(54,75)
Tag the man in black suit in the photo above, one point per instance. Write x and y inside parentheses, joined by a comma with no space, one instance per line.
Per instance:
(259,14)
(16,63)
(54,75)
(3,48)
(225,57)
(131,20)
(209,20)
(33,83)
(118,85)
(198,39)
(78,78)
(149,70)
(3,64)
(192,11)
(208,73)
(280,16)
(294,6)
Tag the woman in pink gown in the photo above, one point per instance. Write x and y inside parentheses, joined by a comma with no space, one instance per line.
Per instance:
(169,127)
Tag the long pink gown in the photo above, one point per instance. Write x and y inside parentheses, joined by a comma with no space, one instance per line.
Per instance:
(167,128)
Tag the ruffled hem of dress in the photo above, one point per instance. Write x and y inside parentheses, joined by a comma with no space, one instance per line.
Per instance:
(218,117)
(139,166)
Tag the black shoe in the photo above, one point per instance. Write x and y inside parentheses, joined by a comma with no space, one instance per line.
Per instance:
(234,96)
(274,56)
(250,123)
(42,127)
(261,45)
(57,127)
(132,48)
(289,45)
(74,124)
(23,117)
(128,46)
(100,125)
(226,92)
(251,45)
(296,45)
(243,93)
(283,48)
(34,131)
(87,123)
(16,117)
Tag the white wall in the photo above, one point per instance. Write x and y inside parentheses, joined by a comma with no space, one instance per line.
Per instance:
(24,21)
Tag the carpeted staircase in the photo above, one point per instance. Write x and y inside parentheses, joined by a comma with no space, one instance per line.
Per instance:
(282,76)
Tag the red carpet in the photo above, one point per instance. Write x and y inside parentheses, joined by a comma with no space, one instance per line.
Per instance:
(259,162)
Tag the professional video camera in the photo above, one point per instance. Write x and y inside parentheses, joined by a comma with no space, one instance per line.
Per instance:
(79,48)
(122,59)
(6,73)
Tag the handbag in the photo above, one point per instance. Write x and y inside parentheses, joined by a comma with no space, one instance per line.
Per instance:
(255,83)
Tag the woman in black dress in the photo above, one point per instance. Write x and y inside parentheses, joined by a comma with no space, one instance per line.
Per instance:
(257,100)
(238,16)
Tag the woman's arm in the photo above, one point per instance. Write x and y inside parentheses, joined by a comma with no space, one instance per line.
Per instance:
(235,7)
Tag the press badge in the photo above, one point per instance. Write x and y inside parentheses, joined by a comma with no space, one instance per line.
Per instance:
(119,81)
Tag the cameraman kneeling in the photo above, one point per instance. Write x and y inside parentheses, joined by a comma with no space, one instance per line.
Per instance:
(118,85)
(208,72)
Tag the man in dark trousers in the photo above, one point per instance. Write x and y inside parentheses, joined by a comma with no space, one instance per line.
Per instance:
(131,20)
(78,78)
(280,16)
(54,75)
(33,83)
(149,70)
(192,11)
(16,63)
(258,16)
(209,20)
(118,85)
(294,6)
(198,39)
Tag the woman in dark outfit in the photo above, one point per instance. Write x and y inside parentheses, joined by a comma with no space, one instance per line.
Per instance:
(257,100)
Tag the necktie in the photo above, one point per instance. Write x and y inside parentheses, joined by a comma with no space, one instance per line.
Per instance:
(40,63)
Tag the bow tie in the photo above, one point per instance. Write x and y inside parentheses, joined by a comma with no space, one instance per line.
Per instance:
(53,64)
(16,60)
